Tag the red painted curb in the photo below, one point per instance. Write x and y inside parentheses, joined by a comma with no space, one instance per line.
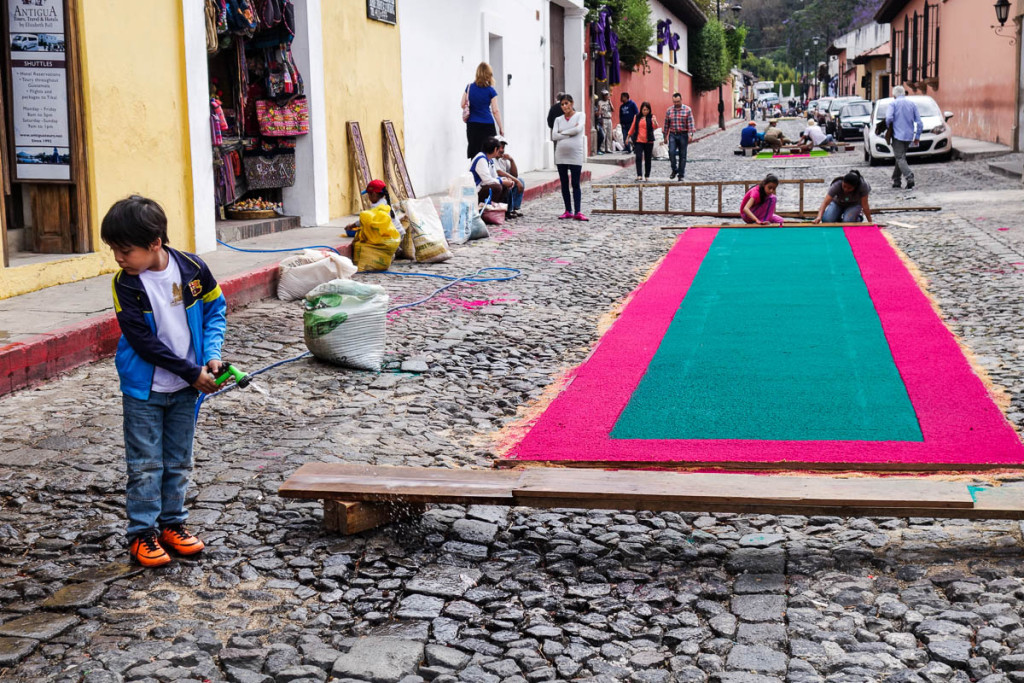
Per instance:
(25,364)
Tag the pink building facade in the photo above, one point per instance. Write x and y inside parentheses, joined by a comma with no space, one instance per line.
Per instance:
(948,50)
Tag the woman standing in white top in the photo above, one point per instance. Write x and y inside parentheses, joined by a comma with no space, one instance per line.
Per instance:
(569,154)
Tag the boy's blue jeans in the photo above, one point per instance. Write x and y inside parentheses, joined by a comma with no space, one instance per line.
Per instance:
(158,449)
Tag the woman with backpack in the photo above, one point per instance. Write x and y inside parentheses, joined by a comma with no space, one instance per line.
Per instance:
(480,110)
(642,135)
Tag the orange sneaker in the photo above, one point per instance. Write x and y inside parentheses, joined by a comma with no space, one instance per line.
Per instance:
(177,539)
(147,551)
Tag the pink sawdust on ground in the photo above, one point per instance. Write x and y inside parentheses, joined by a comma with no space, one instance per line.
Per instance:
(960,423)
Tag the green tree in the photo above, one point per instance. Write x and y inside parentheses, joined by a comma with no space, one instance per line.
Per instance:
(734,41)
(631,20)
(709,61)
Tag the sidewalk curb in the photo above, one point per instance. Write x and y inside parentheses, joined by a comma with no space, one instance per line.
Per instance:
(27,363)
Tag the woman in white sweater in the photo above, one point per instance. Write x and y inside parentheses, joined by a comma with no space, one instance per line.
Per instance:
(569,154)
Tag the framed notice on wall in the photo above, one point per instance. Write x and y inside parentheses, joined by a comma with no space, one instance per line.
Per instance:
(381,10)
(38,105)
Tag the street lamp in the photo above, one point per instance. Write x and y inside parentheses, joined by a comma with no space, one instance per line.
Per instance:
(1002,11)
(721,103)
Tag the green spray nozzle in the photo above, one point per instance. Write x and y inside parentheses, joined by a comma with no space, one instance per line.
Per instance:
(228,371)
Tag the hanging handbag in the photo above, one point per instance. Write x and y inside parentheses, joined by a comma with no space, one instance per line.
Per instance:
(287,118)
(465,107)
(265,170)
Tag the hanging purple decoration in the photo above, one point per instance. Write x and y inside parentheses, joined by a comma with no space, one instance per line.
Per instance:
(664,34)
(673,45)
(614,75)
(601,46)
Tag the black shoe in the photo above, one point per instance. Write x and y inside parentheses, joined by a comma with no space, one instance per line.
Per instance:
(896,184)
(910,184)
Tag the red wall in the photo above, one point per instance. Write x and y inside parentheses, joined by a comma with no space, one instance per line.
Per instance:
(650,87)
(976,70)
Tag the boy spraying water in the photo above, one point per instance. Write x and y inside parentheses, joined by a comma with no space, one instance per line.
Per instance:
(172,317)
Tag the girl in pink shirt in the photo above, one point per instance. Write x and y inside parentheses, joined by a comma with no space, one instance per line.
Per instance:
(758,205)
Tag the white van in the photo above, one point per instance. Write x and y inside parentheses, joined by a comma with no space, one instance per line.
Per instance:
(24,42)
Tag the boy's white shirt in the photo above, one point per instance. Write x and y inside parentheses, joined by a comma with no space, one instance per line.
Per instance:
(163,287)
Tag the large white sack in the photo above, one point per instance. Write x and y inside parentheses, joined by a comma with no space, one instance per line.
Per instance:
(298,274)
(344,323)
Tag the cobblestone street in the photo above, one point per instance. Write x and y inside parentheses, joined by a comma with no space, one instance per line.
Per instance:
(489,594)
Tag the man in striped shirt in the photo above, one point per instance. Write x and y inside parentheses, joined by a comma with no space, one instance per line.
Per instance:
(678,129)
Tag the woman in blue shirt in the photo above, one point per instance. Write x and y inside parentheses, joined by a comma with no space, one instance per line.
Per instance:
(484,118)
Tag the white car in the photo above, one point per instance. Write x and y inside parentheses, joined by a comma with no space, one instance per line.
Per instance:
(936,140)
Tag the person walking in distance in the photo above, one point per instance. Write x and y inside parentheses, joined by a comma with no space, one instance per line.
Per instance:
(678,129)
(569,155)
(641,134)
(604,123)
(904,126)
(627,112)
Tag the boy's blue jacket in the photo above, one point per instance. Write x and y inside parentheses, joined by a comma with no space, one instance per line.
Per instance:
(139,350)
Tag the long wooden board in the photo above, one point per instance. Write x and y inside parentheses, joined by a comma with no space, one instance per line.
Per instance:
(396,174)
(362,165)
(549,487)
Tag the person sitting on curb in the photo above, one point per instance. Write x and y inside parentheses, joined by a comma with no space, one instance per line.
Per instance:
(377,192)
(846,199)
(749,137)
(506,167)
(813,136)
(485,173)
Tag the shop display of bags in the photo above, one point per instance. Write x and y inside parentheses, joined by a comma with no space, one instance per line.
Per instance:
(377,240)
(344,323)
(298,274)
(286,118)
(424,236)
(264,170)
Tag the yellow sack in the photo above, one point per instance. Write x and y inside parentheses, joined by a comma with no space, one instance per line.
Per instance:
(377,240)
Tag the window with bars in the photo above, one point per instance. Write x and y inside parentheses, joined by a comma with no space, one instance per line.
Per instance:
(915,46)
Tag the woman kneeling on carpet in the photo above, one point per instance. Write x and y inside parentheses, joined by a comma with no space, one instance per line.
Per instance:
(758,204)
(847,198)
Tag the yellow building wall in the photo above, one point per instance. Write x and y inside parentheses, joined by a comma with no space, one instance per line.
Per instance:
(362,82)
(136,128)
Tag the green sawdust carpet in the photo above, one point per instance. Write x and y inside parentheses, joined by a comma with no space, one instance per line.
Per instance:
(778,339)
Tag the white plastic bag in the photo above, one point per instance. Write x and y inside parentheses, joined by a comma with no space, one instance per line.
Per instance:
(455,219)
(424,238)
(463,187)
(344,323)
(300,273)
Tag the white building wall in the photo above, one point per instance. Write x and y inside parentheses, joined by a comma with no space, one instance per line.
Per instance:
(443,41)
(658,13)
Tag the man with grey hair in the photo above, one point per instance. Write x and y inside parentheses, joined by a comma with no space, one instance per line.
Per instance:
(904,123)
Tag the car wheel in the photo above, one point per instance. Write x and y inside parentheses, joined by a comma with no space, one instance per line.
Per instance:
(839,133)
(873,161)
(867,157)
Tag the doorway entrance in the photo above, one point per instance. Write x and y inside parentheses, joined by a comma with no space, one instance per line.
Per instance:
(556,32)
(495,57)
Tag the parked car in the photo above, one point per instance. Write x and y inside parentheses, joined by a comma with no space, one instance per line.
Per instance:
(936,140)
(832,111)
(819,111)
(24,42)
(852,119)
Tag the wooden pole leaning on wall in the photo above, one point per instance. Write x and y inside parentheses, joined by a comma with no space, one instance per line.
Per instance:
(396,175)
(362,165)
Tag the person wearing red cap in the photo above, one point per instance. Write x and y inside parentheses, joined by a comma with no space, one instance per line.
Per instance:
(377,192)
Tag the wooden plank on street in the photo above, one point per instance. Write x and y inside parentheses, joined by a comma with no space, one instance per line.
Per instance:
(643,489)
(358,497)
(407,484)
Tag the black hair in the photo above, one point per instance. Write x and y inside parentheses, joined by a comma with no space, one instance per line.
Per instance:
(624,94)
(853,178)
(490,144)
(565,97)
(675,94)
(650,124)
(768,179)
(134,222)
